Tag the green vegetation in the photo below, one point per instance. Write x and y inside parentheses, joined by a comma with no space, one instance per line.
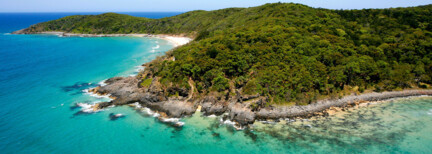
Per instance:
(111,23)
(146,82)
(288,52)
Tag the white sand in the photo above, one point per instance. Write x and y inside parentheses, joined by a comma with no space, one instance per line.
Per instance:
(177,41)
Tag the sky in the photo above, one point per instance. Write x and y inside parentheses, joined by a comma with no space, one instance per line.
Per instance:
(184,5)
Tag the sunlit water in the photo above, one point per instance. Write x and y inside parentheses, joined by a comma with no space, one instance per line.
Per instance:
(42,77)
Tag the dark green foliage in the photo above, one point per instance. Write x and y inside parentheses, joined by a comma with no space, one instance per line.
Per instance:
(112,23)
(289,52)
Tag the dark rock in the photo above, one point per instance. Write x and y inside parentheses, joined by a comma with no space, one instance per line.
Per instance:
(173,108)
(242,109)
(211,105)
(305,111)
(113,116)
(181,91)
(241,114)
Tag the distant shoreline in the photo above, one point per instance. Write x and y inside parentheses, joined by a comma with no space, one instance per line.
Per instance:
(177,40)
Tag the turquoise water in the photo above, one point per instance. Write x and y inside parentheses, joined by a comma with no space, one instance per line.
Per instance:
(42,78)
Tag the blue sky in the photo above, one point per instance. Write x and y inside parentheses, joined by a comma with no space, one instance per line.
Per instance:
(183,5)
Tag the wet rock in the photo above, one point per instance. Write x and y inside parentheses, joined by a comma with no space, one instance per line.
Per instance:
(211,105)
(243,110)
(241,114)
(174,108)
(309,110)
(124,89)
(113,116)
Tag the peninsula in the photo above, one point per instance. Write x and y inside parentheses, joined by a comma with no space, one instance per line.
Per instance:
(279,60)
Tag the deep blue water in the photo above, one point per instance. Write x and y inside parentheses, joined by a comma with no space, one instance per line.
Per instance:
(42,77)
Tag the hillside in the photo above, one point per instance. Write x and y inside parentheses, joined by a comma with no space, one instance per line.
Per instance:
(288,53)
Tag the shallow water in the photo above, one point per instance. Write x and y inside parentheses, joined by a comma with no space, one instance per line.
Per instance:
(401,125)
(42,77)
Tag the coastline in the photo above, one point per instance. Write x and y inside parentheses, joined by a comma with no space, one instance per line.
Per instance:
(238,112)
(324,107)
(177,40)
(236,109)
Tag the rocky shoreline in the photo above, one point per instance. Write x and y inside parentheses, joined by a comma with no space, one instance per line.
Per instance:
(175,102)
(239,108)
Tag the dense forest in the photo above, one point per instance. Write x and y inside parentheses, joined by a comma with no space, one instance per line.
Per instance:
(287,52)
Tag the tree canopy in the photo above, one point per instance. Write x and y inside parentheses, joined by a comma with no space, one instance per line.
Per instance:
(288,52)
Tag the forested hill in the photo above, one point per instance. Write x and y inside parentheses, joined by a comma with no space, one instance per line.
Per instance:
(113,23)
(287,52)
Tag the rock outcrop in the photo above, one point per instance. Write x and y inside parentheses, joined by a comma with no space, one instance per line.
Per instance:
(212,106)
(242,109)
(126,90)
(309,110)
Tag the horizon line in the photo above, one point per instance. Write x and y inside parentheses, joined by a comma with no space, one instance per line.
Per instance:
(102,12)
(213,9)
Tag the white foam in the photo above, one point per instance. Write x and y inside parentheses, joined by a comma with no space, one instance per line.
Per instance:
(156,47)
(212,116)
(137,105)
(180,123)
(430,112)
(175,121)
(100,96)
(118,115)
(139,68)
(151,113)
(229,122)
(86,91)
(88,108)
(233,124)
(102,83)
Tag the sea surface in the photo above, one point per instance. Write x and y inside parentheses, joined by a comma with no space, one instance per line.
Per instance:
(42,78)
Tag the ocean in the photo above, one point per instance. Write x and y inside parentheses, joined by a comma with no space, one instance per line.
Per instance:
(43,77)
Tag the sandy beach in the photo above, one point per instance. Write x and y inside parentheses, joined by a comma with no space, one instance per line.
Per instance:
(176,40)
